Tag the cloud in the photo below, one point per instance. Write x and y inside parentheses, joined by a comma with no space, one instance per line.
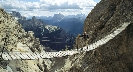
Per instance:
(63,6)
(48,7)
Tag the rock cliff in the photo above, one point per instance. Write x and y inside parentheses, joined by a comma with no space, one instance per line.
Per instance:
(14,38)
(115,55)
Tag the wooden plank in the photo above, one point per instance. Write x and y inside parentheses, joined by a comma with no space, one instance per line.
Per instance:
(34,55)
(43,55)
(6,56)
(21,56)
(12,55)
(16,55)
(25,56)
(37,55)
(30,55)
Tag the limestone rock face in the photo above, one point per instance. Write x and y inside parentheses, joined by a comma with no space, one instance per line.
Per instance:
(14,38)
(115,55)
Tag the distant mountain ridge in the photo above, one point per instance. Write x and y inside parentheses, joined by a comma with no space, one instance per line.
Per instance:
(52,37)
(72,23)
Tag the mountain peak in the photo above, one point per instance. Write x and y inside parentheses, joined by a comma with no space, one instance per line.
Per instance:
(17,15)
(34,18)
(58,17)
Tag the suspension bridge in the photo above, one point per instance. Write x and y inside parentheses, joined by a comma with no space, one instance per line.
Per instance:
(36,55)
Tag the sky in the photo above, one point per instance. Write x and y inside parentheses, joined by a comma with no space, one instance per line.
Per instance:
(48,7)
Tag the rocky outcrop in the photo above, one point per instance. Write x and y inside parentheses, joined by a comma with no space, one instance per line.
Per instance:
(115,55)
(14,39)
